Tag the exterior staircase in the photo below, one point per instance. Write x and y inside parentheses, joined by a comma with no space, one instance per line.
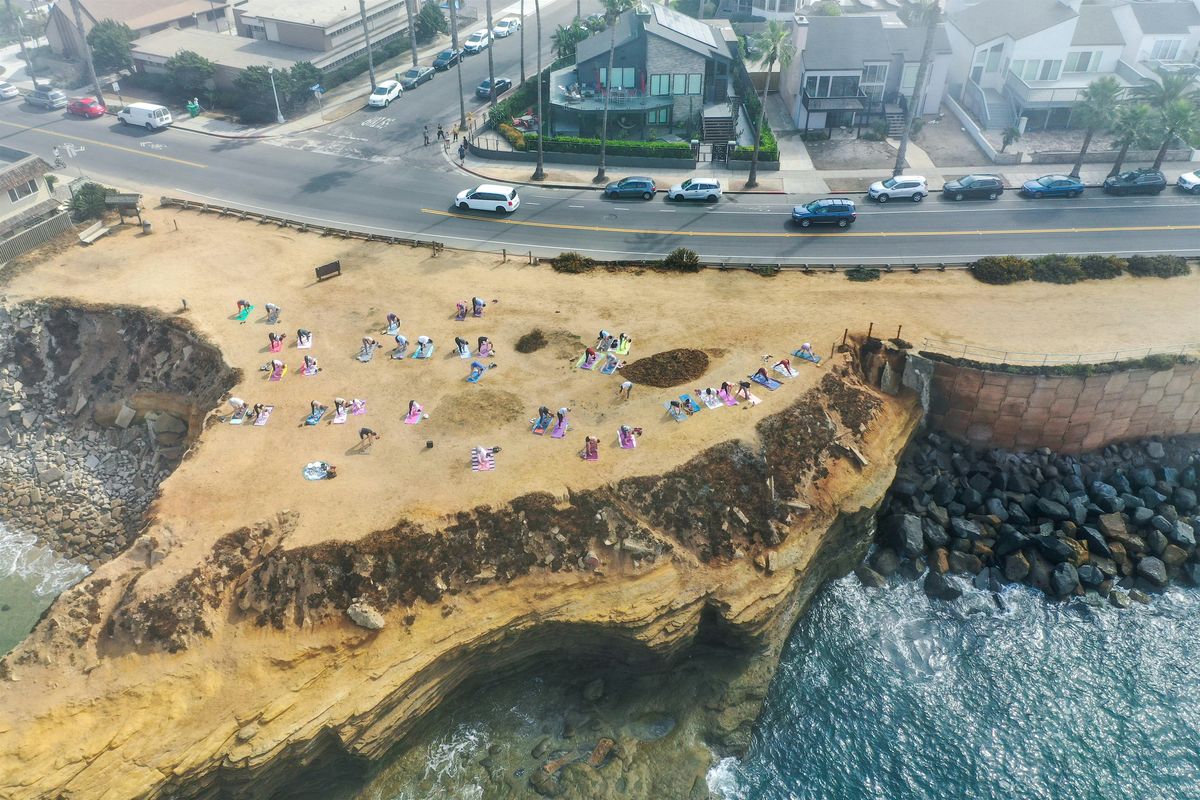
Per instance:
(717,129)
(999,111)
(895,122)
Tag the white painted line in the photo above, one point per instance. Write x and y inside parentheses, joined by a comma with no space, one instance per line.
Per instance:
(574,206)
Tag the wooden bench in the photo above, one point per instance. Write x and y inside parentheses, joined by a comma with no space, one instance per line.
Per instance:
(92,233)
(329,270)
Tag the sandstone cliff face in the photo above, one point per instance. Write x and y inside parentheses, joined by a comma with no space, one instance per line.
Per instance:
(726,548)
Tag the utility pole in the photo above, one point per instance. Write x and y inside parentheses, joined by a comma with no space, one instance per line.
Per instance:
(362,13)
(20,24)
(523,42)
(491,63)
(87,52)
(462,103)
(411,7)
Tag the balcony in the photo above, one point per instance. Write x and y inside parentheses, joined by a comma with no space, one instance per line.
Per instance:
(1063,92)
(565,92)
(859,101)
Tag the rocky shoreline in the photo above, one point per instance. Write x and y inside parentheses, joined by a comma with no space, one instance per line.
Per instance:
(1114,526)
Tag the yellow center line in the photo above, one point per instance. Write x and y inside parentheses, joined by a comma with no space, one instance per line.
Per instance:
(806,233)
(98,143)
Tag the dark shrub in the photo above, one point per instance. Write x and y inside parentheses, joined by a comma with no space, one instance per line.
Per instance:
(1002,269)
(862,274)
(1102,267)
(514,136)
(572,262)
(534,340)
(88,201)
(1158,266)
(1056,268)
(682,260)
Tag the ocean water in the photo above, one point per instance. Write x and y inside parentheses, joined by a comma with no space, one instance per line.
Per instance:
(30,578)
(882,693)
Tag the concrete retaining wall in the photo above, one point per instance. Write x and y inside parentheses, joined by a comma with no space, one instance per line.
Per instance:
(972,129)
(1068,414)
(1132,158)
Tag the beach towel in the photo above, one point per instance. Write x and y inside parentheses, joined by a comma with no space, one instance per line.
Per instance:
(315,417)
(727,398)
(464,351)
(358,407)
(784,371)
(273,317)
(413,417)
(591,453)
(476,374)
(316,471)
(487,350)
(676,413)
(540,425)
(627,440)
(392,330)
(482,460)
(460,313)
(711,400)
(304,345)
(339,417)
(610,366)
(278,373)
(238,417)
(771,385)
(751,399)
(584,363)
(811,357)
(623,350)
(264,415)
(560,430)
(366,354)
(687,400)
(309,371)
(276,345)
(423,354)
(244,314)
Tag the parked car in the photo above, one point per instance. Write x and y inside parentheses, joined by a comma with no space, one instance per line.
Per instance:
(972,186)
(1136,181)
(150,116)
(385,92)
(446,59)
(827,211)
(489,197)
(1053,186)
(911,186)
(706,189)
(8,91)
(1189,182)
(415,77)
(476,42)
(47,98)
(484,89)
(88,107)
(633,186)
(506,27)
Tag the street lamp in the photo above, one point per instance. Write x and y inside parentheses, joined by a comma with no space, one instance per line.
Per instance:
(278,113)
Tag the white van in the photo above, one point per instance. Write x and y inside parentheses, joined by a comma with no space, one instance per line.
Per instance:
(148,115)
(488,197)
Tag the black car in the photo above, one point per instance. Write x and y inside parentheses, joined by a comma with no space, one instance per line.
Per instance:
(828,211)
(446,59)
(974,186)
(633,186)
(1136,181)
(415,77)
(484,89)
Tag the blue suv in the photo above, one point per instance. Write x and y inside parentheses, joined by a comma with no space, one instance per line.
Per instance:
(828,211)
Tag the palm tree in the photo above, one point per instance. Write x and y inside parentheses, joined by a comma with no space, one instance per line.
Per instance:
(1132,122)
(18,19)
(612,10)
(491,61)
(776,44)
(522,32)
(362,14)
(928,12)
(1095,111)
(1011,136)
(1162,97)
(411,7)
(1180,120)
(539,174)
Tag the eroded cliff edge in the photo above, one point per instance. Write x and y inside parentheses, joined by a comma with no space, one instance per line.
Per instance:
(229,676)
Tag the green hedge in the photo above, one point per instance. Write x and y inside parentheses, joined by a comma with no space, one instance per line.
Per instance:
(1158,266)
(1056,268)
(575,144)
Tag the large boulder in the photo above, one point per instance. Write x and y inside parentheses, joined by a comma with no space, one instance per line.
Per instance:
(1174,555)
(1016,567)
(939,588)
(1183,535)
(1156,542)
(1054,548)
(1009,540)
(1184,499)
(1153,571)
(885,562)
(902,532)
(1052,509)
(1094,541)
(966,563)
(963,528)
(365,615)
(1090,575)
(995,506)
(1063,580)
(1112,525)
(935,535)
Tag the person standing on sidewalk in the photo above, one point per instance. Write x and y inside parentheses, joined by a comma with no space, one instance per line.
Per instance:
(441,134)
(426,135)
(462,153)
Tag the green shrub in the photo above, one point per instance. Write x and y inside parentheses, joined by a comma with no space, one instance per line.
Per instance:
(1056,268)
(768,149)
(1158,266)
(682,260)
(529,342)
(572,262)
(875,132)
(575,144)
(999,270)
(514,136)
(862,274)
(88,201)
(1102,267)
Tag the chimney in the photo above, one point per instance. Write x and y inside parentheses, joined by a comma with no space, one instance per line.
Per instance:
(800,31)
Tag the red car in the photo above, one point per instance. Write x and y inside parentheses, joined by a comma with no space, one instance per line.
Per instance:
(88,107)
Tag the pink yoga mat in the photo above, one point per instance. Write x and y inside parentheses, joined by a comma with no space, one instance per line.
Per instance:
(264,416)
(413,418)
(560,430)
(626,443)
(724,395)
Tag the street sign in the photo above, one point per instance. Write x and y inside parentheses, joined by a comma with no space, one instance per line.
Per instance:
(116,86)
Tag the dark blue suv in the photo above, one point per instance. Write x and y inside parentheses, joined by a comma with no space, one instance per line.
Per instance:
(828,211)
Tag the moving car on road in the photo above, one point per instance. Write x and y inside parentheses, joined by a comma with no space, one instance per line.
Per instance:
(1136,181)
(633,186)
(827,211)
(972,186)
(484,89)
(47,98)
(415,77)
(87,107)
(385,92)
(1053,186)
(1189,182)
(911,186)
(489,197)
(477,42)
(506,27)
(446,59)
(8,91)
(706,189)
(150,116)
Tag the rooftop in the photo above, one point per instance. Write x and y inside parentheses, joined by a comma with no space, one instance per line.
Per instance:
(1166,18)
(992,19)
(845,43)
(1096,26)
(664,23)
(237,52)
(320,13)
(139,14)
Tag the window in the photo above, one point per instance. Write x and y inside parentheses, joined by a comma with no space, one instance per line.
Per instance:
(993,61)
(874,73)
(623,78)
(1050,70)
(908,78)
(1165,50)
(695,82)
(24,190)
(787,6)
(660,85)
(1085,61)
(843,86)
(659,116)
(679,84)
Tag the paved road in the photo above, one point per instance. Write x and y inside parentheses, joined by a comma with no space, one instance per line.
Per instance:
(408,190)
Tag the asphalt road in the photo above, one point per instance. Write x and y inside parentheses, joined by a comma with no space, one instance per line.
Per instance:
(400,187)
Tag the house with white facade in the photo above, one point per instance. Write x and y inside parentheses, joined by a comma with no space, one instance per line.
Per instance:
(1030,59)
(851,71)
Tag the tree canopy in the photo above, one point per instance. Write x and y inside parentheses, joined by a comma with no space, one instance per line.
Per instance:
(431,21)
(110,41)
(189,74)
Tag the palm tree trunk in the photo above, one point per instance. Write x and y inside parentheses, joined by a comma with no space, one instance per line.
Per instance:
(1087,142)
(21,38)
(601,177)
(491,60)
(87,53)
(1162,151)
(539,173)
(462,103)
(752,181)
(411,6)
(362,14)
(935,15)
(578,9)
(1116,167)
(522,32)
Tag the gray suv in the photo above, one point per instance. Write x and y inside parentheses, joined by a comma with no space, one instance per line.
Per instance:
(47,98)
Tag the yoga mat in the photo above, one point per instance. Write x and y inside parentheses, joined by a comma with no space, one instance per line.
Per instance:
(540,425)
(358,408)
(264,416)
(464,352)
(609,368)
(726,398)
(687,400)
(316,470)
(305,345)
(313,419)
(481,462)
(276,347)
(309,371)
(626,444)
(712,401)
(339,419)
(676,415)
(475,376)
(417,354)
(560,430)
(623,350)
(784,372)
(752,400)
(244,314)
(592,457)
(583,364)
(413,418)
(238,417)
(273,317)
(367,356)
(278,374)
(814,359)
(771,385)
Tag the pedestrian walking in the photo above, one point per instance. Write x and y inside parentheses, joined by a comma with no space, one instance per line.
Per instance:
(441,134)
(366,437)
(426,135)
(454,132)
(625,389)
(470,120)
(462,153)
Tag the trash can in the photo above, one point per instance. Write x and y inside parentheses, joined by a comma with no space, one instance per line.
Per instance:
(147,227)
(193,108)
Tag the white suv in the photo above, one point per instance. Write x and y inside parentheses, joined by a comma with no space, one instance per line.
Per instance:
(506,27)
(706,189)
(385,92)
(489,197)
(477,41)
(910,186)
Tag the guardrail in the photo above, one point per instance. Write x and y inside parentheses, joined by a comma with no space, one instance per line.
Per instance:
(299,224)
(1017,357)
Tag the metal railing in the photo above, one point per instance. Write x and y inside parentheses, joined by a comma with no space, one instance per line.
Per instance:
(1021,358)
